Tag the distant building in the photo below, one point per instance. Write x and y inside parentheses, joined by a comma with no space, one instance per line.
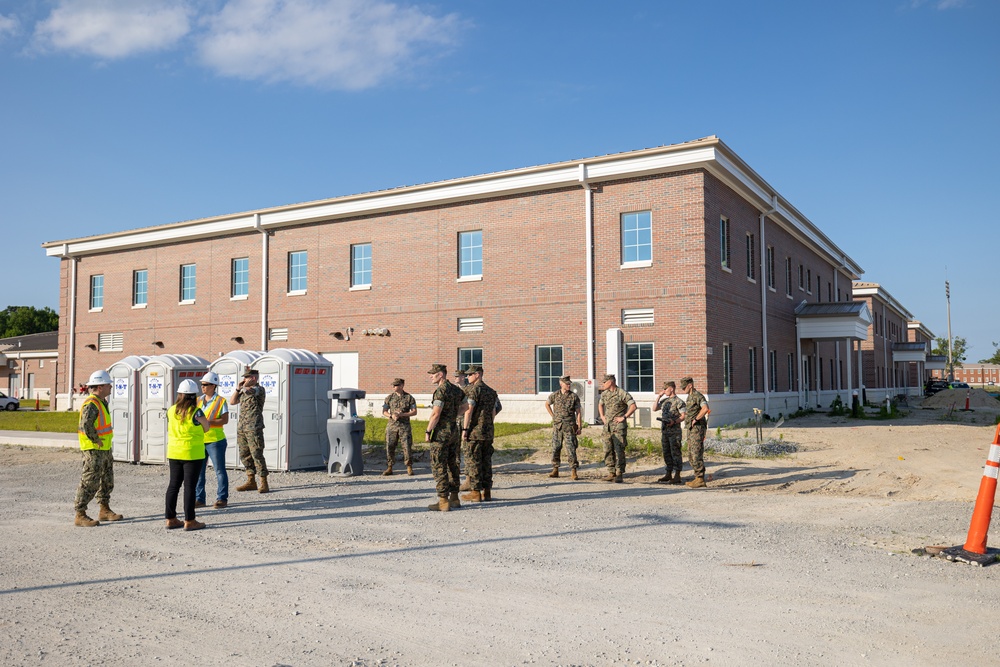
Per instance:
(28,365)
(982,375)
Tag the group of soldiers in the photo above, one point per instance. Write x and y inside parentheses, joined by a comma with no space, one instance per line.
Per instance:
(461,425)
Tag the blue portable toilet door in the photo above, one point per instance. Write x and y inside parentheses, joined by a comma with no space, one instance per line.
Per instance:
(274,379)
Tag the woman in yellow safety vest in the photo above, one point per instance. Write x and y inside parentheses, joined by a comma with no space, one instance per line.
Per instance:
(186,427)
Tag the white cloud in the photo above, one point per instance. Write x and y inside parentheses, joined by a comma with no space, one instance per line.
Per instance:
(350,44)
(938,4)
(9,25)
(113,29)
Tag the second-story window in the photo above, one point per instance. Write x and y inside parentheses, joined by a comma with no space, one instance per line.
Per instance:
(361,265)
(188,282)
(470,254)
(241,277)
(96,292)
(637,238)
(298,264)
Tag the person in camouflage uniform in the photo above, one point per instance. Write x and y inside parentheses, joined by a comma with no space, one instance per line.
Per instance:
(696,418)
(446,404)
(94,432)
(462,382)
(672,415)
(250,396)
(567,422)
(478,434)
(398,407)
(615,406)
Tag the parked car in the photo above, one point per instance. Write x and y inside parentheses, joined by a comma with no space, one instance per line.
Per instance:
(8,403)
(934,386)
(958,385)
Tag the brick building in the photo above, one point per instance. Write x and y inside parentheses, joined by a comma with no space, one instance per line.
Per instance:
(653,264)
(28,366)
(979,375)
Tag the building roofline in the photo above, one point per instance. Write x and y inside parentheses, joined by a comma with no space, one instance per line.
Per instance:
(866,289)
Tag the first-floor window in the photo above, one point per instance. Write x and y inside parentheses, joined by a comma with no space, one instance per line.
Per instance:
(549,367)
(788,276)
(727,368)
(96,292)
(639,367)
(140,287)
(469,356)
(772,370)
(241,277)
(188,282)
(753,369)
(791,372)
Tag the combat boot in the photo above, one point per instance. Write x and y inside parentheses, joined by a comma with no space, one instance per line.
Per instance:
(264,488)
(387,471)
(251,484)
(473,496)
(193,525)
(555,470)
(85,521)
(619,479)
(609,478)
(676,479)
(573,475)
(465,485)
(442,505)
(107,515)
(409,470)
(487,494)
(697,483)
(453,500)
(174,523)
(665,478)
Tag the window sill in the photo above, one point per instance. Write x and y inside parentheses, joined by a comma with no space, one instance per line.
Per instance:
(637,265)
(96,310)
(187,302)
(725,268)
(298,292)
(239,297)
(469,279)
(360,288)
(751,280)
(138,306)
(771,289)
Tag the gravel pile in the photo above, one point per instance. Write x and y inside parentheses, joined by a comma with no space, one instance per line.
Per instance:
(750,448)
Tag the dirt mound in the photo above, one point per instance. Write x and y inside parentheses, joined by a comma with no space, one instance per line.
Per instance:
(945,399)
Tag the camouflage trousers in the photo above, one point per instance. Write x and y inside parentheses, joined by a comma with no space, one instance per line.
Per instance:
(251,445)
(670,440)
(564,436)
(398,433)
(615,441)
(479,465)
(98,478)
(696,447)
(444,466)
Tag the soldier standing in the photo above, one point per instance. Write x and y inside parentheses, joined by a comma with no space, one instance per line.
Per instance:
(696,416)
(462,382)
(446,405)
(399,406)
(616,406)
(670,431)
(250,397)
(478,434)
(95,433)
(567,423)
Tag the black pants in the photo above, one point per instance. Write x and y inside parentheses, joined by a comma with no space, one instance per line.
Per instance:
(186,472)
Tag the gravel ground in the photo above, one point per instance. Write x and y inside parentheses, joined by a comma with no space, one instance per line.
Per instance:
(355,571)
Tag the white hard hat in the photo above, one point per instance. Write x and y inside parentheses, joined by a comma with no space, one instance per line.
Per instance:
(210,378)
(98,378)
(187,387)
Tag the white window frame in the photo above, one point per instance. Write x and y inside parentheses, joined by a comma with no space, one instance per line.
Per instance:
(189,283)
(725,245)
(752,359)
(358,267)
(469,356)
(97,292)
(751,257)
(546,383)
(636,233)
(234,279)
(135,288)
(298,272)
(470,255)
(639,376)
(727,368)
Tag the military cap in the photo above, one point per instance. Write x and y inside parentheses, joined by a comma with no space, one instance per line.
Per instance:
(473,369)
(609,376)
(460,373)
(438,368)
(251,371)
(669,383)
(686,380)
(398,382)
(565,378)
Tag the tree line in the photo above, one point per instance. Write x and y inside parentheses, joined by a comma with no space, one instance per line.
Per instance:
(24,320)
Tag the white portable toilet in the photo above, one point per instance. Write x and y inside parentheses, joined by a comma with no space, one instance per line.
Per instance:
(230,368)
(158,381)
(296,409)
(123,404)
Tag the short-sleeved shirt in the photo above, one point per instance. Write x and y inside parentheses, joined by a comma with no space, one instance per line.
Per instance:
(251,409)
(671,409)
(482,402)
(449,397)
(615,402)
(399,403)
(695,401)
(564,408)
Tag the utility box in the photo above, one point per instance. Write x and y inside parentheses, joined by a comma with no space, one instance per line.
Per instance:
(642,417)
(159,378)
(123,404)
(230,368)
(296,409)
(346,432)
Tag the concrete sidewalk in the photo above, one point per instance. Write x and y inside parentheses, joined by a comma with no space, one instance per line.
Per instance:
(39,439)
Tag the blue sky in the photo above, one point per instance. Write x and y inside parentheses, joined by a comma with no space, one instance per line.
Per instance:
(878,119)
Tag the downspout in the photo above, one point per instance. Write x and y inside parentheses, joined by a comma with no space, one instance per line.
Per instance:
(763,303)
(589,234)
(263,281)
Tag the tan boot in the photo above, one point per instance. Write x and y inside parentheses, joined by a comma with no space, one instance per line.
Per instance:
(174,523)
(264,488)
(85,521)
(387,471)
(453,501)
(465,485)
(487,494)
(555,470)
(473,496)
(609,478)
(107,515)
(442,505)
(619,479)
(573,475)
(676,479)
(697,483)
(409,470)
(251,484)
(193,525)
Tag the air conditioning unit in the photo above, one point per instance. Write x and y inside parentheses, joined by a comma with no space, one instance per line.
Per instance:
(587,391)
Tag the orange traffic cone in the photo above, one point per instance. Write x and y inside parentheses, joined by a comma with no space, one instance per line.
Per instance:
(974,550)
(967,400)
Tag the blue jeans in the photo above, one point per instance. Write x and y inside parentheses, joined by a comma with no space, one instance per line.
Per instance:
(217,452)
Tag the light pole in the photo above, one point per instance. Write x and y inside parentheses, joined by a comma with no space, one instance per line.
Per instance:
(947,297)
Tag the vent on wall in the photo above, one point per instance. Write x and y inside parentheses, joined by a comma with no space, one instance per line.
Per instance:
(636,316)
(470,324)
(278,334)
(110,342)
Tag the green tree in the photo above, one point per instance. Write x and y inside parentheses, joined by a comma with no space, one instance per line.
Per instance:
(24,320)
(995,359)
(959,350)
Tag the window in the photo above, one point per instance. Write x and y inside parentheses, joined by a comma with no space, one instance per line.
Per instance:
(636,316)
(802,282)
(838,295)
(361,265)
(548,367)
(727,368)
(819,288)
(240,277)
(470,254)
(770,267)
(96,292)
(791,372)
(298,265)
(753,369)
(751,257)
(724,242)
(637,238)
(188,282)
(469,356)
(110,342)
(470,324)
(829,292)
(140,287)
(788,276)
(772,370)
(809,280)
(639,367)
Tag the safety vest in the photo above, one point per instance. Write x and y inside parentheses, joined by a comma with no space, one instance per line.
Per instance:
(213,410)
(103,425)
(185,439)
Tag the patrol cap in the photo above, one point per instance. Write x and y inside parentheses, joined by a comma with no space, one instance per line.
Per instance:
(438,368)
(686,380)
(251,372)
(460,373)
(473,369)
(669,383)
(609,376)
(565,378)
(398,382)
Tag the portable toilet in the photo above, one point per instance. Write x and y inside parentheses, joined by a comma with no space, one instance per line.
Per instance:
(296,408)
(123,404)
(159,378)
(230,368)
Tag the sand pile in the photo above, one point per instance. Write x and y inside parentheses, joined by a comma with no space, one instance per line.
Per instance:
(945,399)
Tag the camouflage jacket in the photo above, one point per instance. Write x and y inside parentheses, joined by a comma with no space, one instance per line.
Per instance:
(564,408)
(399,404)
(482,402)
(615,402)
(449,397)
(694,403)
(671,410)
(251,409)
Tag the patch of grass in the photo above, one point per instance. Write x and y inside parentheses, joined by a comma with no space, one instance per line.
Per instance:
(47,422)
(375,430)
